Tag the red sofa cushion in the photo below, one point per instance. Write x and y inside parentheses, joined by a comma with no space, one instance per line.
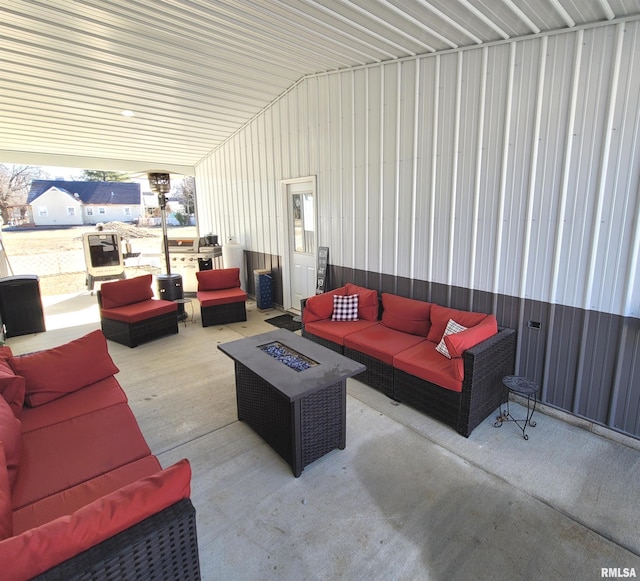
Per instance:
(320,307)
(211,298)
(218,279)
(102,394)
(406,315)
(67,453)
(12,387)
(140,311)
(425,362)
(6,517)
(37,550)
(458,343)
(381,342)
(75,497)
(124,292)
(368,305)
(52,373)
(336,331)
(12,440)
(440,317)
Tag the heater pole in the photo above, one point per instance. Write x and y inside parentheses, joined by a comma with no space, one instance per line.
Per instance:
(165,240)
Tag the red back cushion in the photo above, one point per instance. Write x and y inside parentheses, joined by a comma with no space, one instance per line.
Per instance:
(320,307)
(10,437)
(440,317)
(6,515)
(12,387)
(368,305)
(52,373)
(458,343)
(406,315)
(41,548)
(124,292)
(218,279)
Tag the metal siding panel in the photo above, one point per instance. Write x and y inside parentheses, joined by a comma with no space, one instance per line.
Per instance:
(626,405)
(335,177)
(360,168)
(374,191)
(346,168)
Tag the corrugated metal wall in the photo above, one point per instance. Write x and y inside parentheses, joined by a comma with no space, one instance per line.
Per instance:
(510,170)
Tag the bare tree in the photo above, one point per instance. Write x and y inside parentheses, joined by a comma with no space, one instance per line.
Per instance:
(185,193)
(15,181)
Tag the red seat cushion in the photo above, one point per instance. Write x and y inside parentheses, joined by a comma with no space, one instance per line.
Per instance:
(141,311)
(440,317)
(423,361)
(381,342)
(368,304)
(102,394)
(52,373)
(320,307)
(336,331)
(67,453)
(11,438)
(218,279)
(6,517)
(71,499)
(12,388)
(124,292)
(212,298)
(406,315)
(39,549)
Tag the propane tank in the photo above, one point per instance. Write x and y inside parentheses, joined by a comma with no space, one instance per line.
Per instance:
(233,257)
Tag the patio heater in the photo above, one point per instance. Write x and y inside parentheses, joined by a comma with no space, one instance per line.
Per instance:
(169,285)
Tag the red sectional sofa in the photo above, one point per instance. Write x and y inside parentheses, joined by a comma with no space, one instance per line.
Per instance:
(444,362)
(80,491)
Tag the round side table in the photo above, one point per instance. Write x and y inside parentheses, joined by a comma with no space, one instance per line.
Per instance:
(525,388)
(185,317)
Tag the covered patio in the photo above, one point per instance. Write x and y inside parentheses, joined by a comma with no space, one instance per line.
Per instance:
(408,498)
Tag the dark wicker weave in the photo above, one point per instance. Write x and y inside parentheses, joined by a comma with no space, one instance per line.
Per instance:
(300,431)
(134,334)
(162,547)
(324,342)
(378,375)
(223,314)
(484,367)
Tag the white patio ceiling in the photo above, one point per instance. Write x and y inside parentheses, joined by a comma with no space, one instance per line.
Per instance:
(194,71)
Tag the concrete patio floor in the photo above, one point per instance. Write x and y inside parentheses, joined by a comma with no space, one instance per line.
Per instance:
(408,498)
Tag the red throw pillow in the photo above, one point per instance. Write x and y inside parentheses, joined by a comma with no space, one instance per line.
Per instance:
(406,315)
(458,343)
(6,515)
(320,307)
(52,373)
(440,317)
(12,388)
(125,292)
(43,547)
(11,437)
(218,279)
(368,305)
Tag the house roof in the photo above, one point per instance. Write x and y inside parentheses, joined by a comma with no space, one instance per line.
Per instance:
(90,193)
(193,73)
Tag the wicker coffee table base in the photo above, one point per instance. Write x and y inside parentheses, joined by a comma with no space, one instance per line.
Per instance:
(300,431)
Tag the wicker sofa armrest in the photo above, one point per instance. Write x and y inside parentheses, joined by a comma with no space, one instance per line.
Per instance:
(484,367)
(163,546)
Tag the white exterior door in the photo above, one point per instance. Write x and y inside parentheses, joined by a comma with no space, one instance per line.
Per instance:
(302,240)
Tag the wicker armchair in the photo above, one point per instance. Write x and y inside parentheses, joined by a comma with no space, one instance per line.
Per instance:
(221,299)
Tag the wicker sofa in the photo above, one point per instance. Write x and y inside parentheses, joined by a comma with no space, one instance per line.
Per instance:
(81,495)
(415,353)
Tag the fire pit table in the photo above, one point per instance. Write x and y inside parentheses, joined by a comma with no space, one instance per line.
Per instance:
(292,392)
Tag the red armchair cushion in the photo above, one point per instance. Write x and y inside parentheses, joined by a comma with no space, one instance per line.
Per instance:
(52,373)
(368,305)
(12,387)
(141,311)
(212,298)
(320,307)
(218,279)
(406,315)
(6,516)
(124,292)
(11,438)
(440,317)
(39,549)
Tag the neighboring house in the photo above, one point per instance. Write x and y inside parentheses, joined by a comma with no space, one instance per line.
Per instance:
(66,203)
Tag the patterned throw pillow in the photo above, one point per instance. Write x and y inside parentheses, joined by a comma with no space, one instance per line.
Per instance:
(452,328)
(345,308)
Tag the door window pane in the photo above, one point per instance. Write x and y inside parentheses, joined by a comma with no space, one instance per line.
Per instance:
(303,223)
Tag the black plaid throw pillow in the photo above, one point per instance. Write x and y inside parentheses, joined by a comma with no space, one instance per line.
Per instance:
(345,308)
